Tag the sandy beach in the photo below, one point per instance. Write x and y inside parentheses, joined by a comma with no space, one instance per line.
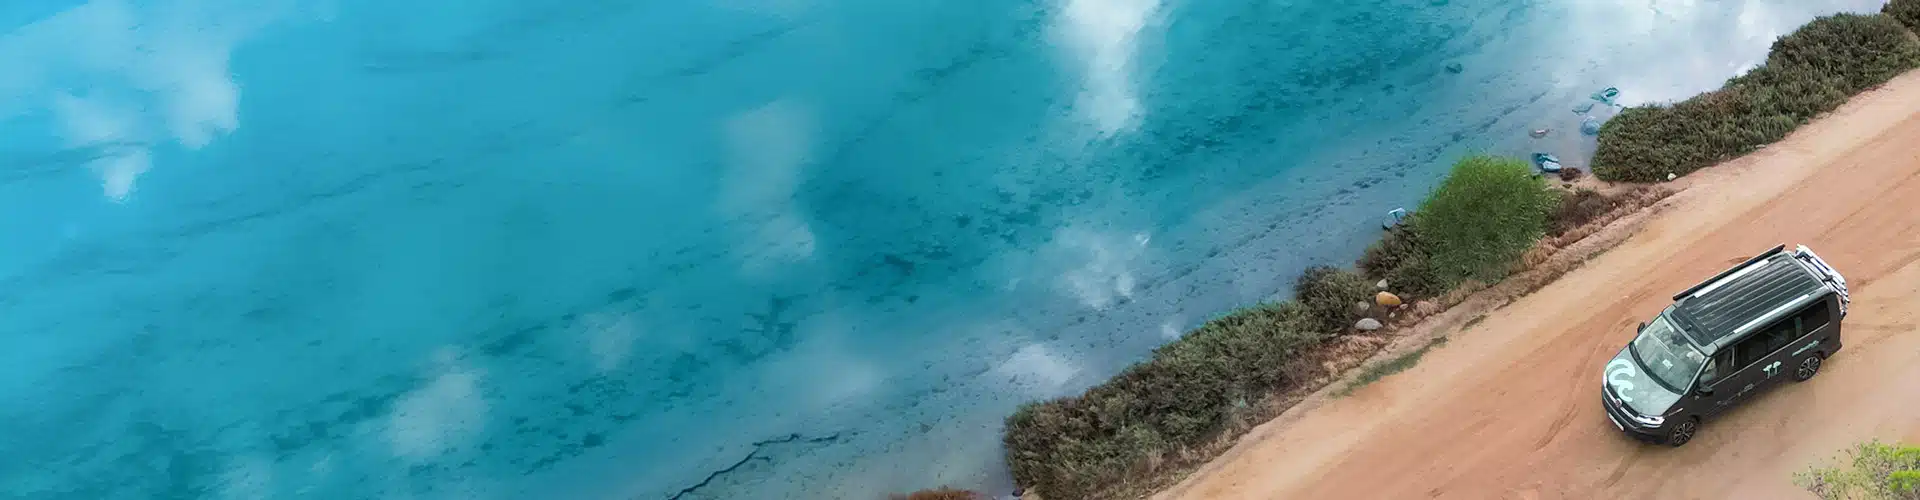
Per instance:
(1510,408)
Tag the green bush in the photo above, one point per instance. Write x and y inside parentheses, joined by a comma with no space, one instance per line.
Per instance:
(1876,471)
(1808,72)
(1400,259)
(1180,398)
(1905,11)
(1485,214)
(1481,220)
(1329,295)
(1482,217)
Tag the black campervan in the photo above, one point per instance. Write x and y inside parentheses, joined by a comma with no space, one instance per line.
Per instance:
(1772,318)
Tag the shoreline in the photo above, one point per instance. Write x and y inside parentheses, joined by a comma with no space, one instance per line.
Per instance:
(1398,341)
(1742,185)
(1197,398)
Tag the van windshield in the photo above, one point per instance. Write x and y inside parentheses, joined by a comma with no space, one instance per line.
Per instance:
(1666,356)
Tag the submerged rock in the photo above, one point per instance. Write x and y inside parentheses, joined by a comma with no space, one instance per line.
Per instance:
(1456,68)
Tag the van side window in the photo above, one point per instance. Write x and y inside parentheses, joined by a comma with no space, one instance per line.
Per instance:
(1814,317)
(1767,340)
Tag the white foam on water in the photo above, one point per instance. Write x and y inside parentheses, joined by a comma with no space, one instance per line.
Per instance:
(443,416)
(766,148)
(174,53)
(823,371)
(97,122)
(1097,268)
(1036,370)
(1102,37)
(609,338)
(1170,329)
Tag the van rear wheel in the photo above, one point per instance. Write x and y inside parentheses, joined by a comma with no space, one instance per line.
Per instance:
(1808,368)
(1683,432)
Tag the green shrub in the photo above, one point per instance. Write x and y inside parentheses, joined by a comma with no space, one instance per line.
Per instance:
(1399,248)
(1876,471)
(1180,398)
(1482,217)
(1808,72)
(1905,11)
(1329,295)
(1904,482)
(1485,214)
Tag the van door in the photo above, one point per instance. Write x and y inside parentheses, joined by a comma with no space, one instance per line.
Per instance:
(1721,372)
(1765,356)
(1758,364)
(1768,349)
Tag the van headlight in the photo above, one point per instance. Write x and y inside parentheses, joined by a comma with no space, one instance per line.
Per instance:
(1652,421)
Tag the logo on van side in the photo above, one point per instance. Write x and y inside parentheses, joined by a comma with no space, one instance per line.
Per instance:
(1804,348)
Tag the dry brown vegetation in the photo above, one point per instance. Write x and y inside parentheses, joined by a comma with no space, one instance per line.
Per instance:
(939,494)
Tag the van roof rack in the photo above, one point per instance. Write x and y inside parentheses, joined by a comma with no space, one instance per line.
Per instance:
(1745,297)
(1731,270)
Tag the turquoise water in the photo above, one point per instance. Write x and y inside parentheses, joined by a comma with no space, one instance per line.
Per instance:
(705,249)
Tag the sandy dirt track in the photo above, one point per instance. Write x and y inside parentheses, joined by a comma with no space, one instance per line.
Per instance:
(1510,408)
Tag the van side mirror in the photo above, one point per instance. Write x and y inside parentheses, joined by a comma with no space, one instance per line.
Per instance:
(1643,327)
(1703,391)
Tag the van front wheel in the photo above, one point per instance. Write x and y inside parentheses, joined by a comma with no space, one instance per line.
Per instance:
(1808,368)
(1683,432)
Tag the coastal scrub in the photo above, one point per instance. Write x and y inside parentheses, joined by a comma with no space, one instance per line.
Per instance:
(1808,72)
(1905,11)
(1191,393)
(1077,446)
(1875,471)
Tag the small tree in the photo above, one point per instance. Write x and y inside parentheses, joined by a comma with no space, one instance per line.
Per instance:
(1486,214)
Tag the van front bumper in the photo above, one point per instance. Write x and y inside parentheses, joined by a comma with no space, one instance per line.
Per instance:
(1626,424)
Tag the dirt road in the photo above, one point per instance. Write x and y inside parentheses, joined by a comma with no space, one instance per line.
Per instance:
(1510,408)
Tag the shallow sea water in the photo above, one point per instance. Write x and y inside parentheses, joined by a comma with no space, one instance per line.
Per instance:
(706,249)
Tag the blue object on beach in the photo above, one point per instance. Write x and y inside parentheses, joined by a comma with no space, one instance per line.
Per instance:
(1547,162)
(1590,126)
(1395,216)
(1607,95)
